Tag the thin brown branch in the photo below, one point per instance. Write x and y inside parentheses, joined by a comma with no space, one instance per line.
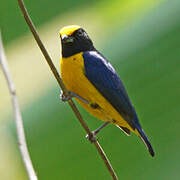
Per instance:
(17,115)
(61,84)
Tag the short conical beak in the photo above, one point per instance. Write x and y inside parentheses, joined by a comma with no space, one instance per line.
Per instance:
(67,39)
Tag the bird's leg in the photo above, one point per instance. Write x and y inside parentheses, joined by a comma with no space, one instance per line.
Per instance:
(71,95)
(101,127)
(92,137)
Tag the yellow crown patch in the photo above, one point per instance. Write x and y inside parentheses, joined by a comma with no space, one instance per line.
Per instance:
(68,30)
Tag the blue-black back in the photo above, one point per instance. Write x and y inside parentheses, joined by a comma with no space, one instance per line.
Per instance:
(104,77)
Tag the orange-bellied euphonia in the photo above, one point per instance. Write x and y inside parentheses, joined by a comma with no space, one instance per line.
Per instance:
(95,84)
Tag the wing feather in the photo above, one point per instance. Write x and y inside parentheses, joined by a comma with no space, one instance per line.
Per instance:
(104,77)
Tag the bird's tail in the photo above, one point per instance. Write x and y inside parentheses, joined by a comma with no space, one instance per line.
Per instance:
(145,140)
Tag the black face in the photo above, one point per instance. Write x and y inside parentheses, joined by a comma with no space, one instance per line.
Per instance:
(77,42)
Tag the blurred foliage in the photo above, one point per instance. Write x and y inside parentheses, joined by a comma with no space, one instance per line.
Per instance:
(12,23)
(124,11)
(146,54)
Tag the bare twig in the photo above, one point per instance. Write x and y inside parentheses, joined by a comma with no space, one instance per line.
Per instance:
(61,84)
(17,114)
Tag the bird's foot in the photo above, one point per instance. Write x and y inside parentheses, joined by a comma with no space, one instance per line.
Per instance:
(66,97)
(70,95)
(91,137)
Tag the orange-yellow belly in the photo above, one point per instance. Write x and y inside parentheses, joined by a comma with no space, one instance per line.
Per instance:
(72,73)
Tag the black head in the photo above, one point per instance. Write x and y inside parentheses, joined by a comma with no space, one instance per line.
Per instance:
(74,40)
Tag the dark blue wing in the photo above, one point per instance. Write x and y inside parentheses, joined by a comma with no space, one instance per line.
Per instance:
(103,76)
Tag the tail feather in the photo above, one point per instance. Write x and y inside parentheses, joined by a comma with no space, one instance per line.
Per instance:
(125,130)
(146,141)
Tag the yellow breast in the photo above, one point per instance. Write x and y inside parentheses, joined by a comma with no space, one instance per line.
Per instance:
(72,73)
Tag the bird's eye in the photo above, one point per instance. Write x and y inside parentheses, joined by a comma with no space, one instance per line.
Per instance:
(80,32)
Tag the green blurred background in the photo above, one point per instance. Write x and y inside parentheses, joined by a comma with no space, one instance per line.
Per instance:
(141,39)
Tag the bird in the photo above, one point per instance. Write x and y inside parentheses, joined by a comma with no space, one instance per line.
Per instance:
(94,83)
